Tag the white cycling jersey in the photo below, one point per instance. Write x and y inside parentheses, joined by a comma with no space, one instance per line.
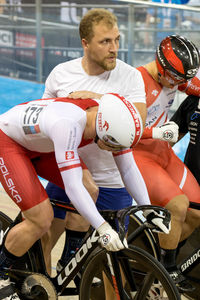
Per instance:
(57,125)
(124,80)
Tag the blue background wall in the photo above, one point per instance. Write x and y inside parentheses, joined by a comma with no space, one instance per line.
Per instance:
(17,91)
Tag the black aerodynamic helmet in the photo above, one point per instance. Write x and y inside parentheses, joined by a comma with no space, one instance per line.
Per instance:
(178,56)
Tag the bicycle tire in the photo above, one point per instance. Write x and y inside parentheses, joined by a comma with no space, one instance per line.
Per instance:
(152,274)
(5,220)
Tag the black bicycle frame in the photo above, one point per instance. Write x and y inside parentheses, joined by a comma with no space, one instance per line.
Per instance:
(76,262)
(190,262)
(78,259)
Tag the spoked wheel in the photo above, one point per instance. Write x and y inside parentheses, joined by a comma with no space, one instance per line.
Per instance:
(143,277)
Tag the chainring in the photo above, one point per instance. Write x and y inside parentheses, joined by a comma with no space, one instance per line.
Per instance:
(157,292)
(38,287)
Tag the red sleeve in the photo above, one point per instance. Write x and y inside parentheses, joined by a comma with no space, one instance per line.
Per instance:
(147,133)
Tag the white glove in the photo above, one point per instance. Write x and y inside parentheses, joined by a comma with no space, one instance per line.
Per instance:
(157,219)
(109,238)
(167,132)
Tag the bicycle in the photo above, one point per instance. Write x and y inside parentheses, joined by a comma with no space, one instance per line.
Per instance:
(31,281)
(188,257)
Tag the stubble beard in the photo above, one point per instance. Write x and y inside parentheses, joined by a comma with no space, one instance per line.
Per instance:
(107,66)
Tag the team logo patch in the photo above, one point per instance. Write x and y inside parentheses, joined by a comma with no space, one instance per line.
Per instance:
(168,135)
(105,239)
(154,93)
(69,155)
(106,125)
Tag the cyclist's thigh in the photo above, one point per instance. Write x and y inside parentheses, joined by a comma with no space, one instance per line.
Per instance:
(18,175)
(161,187)
(184,178)
(46,167)
(41,214)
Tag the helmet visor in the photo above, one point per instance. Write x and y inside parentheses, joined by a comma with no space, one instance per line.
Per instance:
(173,78)
(110,141)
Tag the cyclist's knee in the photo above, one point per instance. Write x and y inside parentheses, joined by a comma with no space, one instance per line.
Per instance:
(193,218)
(178,207)
(44,225)
(76,222)
(40,217)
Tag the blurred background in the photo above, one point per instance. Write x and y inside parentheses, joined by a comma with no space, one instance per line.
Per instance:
(37,35)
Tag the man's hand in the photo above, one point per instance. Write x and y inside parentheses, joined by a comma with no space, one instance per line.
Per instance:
(109,238)
(84,95)
(163,224)
(167,132)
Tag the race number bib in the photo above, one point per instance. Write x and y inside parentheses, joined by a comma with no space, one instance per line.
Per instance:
(31,118)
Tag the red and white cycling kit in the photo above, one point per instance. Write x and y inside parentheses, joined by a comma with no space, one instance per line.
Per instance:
(42,137)
(164,173)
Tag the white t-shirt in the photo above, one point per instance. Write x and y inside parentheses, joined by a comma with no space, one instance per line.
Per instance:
(124,79)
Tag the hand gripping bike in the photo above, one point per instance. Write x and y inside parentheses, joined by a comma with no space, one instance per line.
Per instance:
(133,273)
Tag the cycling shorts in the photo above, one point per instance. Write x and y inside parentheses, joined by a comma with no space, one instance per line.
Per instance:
(114,199)
(19,170)
(108,198)
(164,173)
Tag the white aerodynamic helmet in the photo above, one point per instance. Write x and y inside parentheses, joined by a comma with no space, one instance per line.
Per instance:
(118,121)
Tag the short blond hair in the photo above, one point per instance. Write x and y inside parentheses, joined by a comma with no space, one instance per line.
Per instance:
(94,17)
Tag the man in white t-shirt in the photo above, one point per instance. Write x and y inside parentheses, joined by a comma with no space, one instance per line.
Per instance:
(97,72)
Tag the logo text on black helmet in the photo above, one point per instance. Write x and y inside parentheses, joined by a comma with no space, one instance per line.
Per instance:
(160,57)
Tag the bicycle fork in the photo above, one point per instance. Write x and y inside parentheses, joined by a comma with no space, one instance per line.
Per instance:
(117,277)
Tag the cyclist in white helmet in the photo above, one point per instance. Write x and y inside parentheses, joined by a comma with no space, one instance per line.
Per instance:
(42,137)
